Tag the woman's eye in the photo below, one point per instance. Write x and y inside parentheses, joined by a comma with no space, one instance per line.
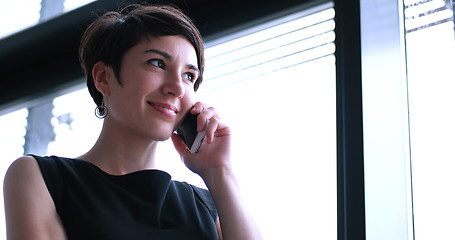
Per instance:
(189,76)
(156,63)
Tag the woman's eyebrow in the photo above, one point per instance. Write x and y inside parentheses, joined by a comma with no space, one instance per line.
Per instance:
(192,67)
(162,53)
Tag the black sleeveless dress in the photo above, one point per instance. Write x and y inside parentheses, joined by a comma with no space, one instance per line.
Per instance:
(93,204)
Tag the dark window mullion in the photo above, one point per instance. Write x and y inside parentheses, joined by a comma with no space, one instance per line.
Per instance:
(350,165)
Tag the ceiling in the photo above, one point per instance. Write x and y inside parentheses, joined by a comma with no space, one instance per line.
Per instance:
(43,59)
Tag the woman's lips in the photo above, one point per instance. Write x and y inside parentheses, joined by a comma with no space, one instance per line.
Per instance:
(164,108)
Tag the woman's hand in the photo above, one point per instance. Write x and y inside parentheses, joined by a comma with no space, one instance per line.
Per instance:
(214,154)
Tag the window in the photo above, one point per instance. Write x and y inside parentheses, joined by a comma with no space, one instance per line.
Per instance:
(73,4)
(276,88)
(274,84)
(407,61)
(7,15)
(388,195)
(26,13)
(284,148)
(430,51)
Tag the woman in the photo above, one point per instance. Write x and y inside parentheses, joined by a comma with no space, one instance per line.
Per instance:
(143,66)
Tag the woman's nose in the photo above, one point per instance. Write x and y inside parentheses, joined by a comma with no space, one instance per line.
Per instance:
(173,85)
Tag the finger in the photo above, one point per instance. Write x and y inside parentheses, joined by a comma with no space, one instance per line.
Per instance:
(198,107)
(206,115)
(212,126)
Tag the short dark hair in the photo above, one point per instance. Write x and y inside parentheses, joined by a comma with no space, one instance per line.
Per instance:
(112,34)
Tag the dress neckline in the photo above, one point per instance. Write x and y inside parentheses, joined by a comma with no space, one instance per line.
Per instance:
(139,172)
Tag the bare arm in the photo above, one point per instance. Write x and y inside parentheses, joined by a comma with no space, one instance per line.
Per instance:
(235,220)
(212,163)
(29,209)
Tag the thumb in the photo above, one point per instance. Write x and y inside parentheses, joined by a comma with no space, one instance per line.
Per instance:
(179,144)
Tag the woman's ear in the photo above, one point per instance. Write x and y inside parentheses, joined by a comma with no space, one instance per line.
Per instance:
(101,74)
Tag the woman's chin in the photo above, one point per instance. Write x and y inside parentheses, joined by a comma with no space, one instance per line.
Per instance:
(163,137)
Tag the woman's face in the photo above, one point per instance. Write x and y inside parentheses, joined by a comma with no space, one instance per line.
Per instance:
(157,77)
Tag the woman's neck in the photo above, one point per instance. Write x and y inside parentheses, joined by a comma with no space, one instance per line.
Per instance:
(118,153)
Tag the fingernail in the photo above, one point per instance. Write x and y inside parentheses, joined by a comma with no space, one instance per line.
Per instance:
(197,108)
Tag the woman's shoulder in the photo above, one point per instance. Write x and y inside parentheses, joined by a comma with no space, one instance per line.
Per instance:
(29,208)
(56,163)
(21,166)
(22,177)
(24,170)
(188,187)
(30,170)
(200,194)
(33,161)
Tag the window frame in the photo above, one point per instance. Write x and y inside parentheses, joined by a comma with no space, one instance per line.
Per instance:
(350,156)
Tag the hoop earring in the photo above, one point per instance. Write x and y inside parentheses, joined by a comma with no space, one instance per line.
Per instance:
(101,111)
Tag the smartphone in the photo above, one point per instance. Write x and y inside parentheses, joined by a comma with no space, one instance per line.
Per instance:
(190,136)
